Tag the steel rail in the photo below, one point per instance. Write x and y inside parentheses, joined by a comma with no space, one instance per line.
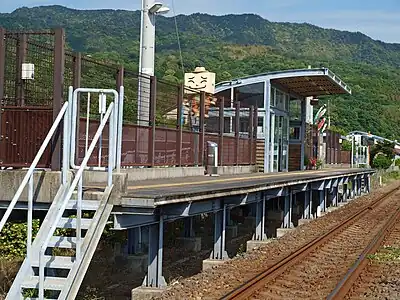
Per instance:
(251,286)
(345,285)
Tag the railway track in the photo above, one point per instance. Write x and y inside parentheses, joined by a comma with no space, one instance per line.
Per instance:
(330,264)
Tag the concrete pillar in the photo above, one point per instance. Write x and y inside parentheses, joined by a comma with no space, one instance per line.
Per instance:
(359,186)
(218,254)
(154,277)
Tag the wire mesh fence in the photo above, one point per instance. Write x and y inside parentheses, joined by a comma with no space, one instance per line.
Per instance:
(29,68)
(165,124)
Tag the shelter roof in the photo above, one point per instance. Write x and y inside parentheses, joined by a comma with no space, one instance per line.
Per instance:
(302,82)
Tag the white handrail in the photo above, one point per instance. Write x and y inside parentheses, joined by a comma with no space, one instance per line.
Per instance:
(33,165)
(112,148)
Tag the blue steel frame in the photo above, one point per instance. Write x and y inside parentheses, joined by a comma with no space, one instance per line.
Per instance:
(317,194)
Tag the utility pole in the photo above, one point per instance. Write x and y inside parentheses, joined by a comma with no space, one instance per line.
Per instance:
(146,56)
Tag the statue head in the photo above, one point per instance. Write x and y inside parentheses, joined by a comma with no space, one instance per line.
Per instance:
(200,80)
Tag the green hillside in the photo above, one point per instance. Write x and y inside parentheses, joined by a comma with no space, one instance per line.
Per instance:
(238,45)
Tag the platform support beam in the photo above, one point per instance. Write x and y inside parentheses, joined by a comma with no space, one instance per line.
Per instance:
(219,252)
(260,222)
(154,277)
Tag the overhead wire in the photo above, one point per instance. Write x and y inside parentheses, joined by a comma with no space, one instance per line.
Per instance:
(177,35)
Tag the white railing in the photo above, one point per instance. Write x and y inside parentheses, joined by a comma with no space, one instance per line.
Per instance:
(112,115)
(118,102)
(28,179)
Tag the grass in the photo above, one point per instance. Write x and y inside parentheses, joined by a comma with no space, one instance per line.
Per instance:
(387,254)
(8,270)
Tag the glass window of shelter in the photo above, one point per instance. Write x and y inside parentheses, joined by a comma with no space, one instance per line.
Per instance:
(251,94)
(226,95)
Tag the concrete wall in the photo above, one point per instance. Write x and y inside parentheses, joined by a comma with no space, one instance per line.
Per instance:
(233,170)
(46,184)
(136,174)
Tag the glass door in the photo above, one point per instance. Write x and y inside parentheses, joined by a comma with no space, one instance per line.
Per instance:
(280,137)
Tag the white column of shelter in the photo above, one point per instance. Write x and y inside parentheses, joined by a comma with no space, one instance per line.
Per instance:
(303,131)
(267,129)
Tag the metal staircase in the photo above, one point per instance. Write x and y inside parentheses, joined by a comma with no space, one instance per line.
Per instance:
(57,260)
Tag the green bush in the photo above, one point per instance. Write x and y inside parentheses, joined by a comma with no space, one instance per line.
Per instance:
(397,162)
(346,145)
(381,162)
(13,239)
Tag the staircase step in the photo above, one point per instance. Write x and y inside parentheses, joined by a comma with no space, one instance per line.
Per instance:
(71,223)
(63,242)
(56,262)
(86,204)
(50,283)
(90,195)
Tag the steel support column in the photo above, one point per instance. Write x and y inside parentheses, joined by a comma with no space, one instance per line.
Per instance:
(287,211)
(321,203)
(188,227)
(307,207)
(134,244)
(335,196)
(359,186)
(154,277)
(219,235)
(368,183)
(345,192)
(229,221)
(260,221)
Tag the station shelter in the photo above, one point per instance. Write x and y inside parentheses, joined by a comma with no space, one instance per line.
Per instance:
(284,100)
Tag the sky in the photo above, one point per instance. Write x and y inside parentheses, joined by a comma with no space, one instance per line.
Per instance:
(378,19)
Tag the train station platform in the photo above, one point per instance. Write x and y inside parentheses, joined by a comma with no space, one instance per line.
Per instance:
(175,190)
(144,207)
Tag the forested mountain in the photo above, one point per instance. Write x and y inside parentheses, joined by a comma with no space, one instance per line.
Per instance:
(238,45)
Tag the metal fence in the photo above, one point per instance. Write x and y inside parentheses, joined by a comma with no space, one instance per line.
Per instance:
(331,140)
(164,131)
(29,100)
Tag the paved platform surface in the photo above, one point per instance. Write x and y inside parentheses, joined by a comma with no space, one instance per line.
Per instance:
(163,191)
